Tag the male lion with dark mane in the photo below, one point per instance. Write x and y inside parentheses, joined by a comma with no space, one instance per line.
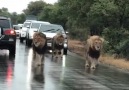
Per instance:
(57,45)
(39,45)
(93,49)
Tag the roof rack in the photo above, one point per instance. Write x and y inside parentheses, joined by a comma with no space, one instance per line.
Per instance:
(4,17)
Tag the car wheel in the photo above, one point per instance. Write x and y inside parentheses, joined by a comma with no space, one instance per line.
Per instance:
(12,50)
(21,40)
(65,51)
(26,42)
(29,42)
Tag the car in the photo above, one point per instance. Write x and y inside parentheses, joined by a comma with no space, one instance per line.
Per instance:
(50,30)
(26,24)
(7,35)
(33,28)
(17,28)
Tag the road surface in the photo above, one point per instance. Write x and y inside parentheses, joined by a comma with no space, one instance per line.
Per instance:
(66,74)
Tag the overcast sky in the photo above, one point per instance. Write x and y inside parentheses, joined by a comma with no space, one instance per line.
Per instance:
(19,5)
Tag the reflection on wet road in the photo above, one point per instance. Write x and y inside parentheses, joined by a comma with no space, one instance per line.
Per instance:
(67,74)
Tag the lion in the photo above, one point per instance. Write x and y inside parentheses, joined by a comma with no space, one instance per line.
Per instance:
(57,45)
(93,49)
(39,44)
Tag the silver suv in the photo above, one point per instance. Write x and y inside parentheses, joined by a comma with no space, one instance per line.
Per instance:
(34,26)
(50,30)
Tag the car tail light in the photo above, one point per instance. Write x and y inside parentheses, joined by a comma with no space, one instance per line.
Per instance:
(10,32)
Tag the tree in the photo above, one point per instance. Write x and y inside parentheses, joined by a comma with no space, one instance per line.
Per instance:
(35,8)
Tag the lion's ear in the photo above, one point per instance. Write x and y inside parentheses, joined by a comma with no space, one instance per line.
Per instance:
(102,39)
(90,42)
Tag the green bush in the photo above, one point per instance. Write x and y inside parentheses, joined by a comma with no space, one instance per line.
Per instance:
(117,42)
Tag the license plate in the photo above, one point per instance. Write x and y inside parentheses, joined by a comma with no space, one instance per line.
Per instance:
(49,44)
(10,39)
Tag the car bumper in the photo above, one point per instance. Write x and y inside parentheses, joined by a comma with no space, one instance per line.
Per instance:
(7,44)
(23,34)
(6,41)
(17,35)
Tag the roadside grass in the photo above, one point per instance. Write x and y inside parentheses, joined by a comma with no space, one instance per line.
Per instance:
(78,48)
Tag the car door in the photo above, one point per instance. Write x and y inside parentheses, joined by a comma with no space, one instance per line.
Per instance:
(0,31)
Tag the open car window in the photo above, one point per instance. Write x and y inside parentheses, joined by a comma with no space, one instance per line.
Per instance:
(4,23)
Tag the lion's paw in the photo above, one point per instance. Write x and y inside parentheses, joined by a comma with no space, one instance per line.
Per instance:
(87,65)
(93,67)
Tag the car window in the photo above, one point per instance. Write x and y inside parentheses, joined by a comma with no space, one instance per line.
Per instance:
(35,25)
(4,23)
(51,28)
(16,27)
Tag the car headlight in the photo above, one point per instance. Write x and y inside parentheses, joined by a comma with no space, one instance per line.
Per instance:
(65,41)
(31,33)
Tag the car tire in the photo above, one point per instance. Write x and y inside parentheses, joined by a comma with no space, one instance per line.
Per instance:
(12,50)
(65,51)
(21,40)
(28,42)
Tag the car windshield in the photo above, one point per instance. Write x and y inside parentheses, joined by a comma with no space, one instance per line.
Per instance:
(26,24)
(35,25)
(4,23)
(51,28)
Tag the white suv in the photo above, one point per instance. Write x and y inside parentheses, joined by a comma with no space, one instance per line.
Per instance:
(34,25)
(50,30)
(22,35)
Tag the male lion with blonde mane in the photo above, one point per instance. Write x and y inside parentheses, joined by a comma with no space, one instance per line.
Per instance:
(57,45)
(39,47)
(93,49)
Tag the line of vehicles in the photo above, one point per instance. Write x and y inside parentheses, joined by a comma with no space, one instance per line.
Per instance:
(26,30)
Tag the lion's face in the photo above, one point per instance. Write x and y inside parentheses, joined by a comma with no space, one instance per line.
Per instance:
(97,44)
(39,40)
(60,40)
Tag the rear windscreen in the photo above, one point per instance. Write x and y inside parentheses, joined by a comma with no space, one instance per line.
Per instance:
(4,23)
(16,27)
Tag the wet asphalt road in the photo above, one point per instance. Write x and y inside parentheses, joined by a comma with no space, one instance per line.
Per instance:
(67,74)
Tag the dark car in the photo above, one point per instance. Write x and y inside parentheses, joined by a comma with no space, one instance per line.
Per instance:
(7,35)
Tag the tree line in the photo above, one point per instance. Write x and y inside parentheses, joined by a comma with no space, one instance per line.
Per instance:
(107,18)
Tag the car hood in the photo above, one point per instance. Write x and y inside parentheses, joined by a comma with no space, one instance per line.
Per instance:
(49,35)
(33,30)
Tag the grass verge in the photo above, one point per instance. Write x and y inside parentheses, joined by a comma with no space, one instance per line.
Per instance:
(77,47)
